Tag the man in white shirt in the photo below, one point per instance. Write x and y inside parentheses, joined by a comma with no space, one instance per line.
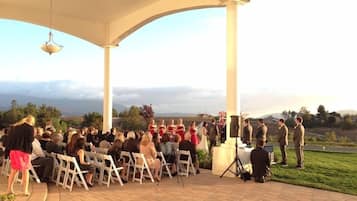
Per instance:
(38,158)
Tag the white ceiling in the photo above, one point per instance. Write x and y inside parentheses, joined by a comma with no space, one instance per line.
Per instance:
(102,22)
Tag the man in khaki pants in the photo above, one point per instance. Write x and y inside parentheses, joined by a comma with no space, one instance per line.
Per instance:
(299,134)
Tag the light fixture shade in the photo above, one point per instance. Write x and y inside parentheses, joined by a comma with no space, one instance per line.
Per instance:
(50,46)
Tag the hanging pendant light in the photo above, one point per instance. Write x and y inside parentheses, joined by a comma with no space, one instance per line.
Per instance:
(50,46)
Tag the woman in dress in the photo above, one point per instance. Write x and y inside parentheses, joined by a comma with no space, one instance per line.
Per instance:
(172,127)
(162,128)
(83,165)
(180,129)
(202,145)
(19,148)
(193,132)
(152,127)
(148,149)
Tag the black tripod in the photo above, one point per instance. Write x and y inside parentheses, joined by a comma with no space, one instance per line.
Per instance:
(237,162)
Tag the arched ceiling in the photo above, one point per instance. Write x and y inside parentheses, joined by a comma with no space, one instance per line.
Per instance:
(102,22)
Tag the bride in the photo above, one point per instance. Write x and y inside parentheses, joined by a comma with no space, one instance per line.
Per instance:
(202,132)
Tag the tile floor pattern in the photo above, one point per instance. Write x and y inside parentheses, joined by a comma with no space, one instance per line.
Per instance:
(203,187)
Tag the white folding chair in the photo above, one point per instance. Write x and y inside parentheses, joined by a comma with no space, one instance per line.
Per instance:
(5,168)
(110,169)
(127,161)
(55,164)
(72,172)
(141,165)
(184,163)
(91,157)
(62,171)
(33,173)
(165,165)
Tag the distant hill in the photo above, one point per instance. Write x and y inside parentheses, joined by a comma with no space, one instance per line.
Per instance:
(175,115)
(68,107)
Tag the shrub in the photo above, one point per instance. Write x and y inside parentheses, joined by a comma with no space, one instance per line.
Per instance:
(343,139)
(331,136)
(204,159)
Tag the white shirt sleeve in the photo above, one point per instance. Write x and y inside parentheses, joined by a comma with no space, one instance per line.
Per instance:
(36,150)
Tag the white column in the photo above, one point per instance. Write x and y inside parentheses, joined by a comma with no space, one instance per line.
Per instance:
(233,100)
(108,97)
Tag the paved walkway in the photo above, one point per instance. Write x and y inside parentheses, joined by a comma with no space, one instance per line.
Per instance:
(38,191)
(203,187)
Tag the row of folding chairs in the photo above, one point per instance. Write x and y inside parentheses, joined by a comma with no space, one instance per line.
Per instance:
(138,163)
(6,168)
(108,171)
(68,170)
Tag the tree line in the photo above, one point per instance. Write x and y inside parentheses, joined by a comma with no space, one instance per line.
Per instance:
(134,118)
(322,118)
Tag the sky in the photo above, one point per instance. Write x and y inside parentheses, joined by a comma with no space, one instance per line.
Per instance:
(291,53)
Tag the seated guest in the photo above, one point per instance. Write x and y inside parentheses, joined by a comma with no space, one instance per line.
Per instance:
(38,157)
(46,137)
(104,144)
(130,144)
(78,153)
(55,145)
(175,139)
(120,136)
(260,161)
(156,141)
(114,151)
(93,137)
(148,149)
(169,152)
(188,146)
(72,142)
(111,136)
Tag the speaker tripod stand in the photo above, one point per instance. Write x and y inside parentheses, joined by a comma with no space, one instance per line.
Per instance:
(236,162)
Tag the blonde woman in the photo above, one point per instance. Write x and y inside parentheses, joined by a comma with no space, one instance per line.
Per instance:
(19,147)
(148,149)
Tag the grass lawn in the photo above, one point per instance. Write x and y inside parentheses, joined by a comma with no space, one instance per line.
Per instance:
(329,171)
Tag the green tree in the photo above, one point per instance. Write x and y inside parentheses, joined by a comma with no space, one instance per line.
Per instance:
(307,117)
(115,113)
(347,122)
(132,119)
(331,136)
(30,109)
(331,121)
(93,119)
(322,114)
(46,113)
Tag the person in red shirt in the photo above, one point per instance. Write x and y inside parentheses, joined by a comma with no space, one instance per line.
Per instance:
(152,127)
(162,128)
(172,128)
(193,132)
(180,129)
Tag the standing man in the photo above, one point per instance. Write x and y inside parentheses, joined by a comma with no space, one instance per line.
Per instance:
(299,134)
(247,132)
(262,131)
(283,140)
(212,134)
